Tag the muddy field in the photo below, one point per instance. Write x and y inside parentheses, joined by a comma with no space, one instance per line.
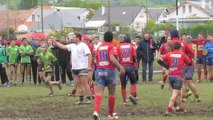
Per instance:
(28,103)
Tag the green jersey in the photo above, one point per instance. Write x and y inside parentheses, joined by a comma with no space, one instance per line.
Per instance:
(38,52)
(25,52)
(47,59)
(12,52)
(3,57)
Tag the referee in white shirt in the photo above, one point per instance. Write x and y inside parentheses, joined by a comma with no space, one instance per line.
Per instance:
(81,60)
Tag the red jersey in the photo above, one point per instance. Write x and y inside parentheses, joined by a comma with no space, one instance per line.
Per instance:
(190,51)
(182,42)
(163,49)
(126,52)
(176,61)
(184,47)
(92,50)
(199,44)
(103,56)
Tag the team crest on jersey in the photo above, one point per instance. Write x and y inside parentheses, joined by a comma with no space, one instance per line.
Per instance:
(175,55)
(103,48)
(104,63)
(125,46)
(114,49)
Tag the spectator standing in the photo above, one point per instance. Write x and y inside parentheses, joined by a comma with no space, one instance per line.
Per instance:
(35,46)
(96,42)
(137,42)
(3,61)
(13,53)
(64,62)
(25,52)
(146,49)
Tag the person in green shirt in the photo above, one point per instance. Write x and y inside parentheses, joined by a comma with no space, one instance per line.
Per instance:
(46,61)
(3,61)
(12,53)
(25,52)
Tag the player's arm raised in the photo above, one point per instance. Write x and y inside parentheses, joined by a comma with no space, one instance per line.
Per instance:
(59,45)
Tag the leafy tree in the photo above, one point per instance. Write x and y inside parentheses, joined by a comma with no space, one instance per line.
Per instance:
(91,13)
(28,4)
(153,27)
(194,30)
(57,33)
(83,4)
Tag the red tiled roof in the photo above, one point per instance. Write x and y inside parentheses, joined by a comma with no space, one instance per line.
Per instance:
(16,18)
(47,7)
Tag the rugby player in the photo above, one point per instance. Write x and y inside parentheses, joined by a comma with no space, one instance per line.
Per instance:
(188,74)
(174,62)
(105,75)
(127,58)
(46,61)
(208,50)
(12,53)
(201,60)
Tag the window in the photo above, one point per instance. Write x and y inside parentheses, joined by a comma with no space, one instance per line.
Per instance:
(190,8)
(184,9)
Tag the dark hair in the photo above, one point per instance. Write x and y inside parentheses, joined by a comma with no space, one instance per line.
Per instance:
(174,34)
(138,37)
(96,37)
(201,33)
(78,35)
(108,36)
(184,33)
(23,39)
(127,38)
(147,33)
(177,46)
(64,36)
(210,34)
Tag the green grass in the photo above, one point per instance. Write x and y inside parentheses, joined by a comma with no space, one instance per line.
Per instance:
(32,102)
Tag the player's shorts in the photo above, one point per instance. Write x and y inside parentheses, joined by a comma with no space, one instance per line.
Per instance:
(176,82)
(80,72)
(209,62)
(49,73)
(200,60)
(188,72)
(14,65)
(40,67)
(105,77)
(130,73)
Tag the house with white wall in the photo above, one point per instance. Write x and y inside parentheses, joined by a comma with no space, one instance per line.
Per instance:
(190,13)
(133,17)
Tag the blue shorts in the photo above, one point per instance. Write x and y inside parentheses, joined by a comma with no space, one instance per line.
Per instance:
(176,82)
(209,61)
(188,72)
(105,77)
(130,73)
(200,60)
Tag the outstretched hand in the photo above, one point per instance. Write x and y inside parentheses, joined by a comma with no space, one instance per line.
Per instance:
(54,41)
